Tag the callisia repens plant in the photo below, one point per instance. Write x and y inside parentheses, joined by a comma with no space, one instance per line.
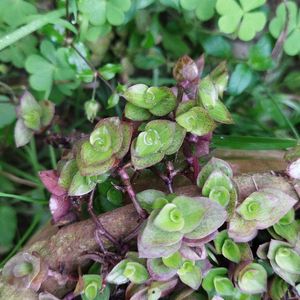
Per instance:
(197,237)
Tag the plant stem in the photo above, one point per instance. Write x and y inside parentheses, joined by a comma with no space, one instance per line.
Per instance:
(27,29)
(129,189)
(98,223)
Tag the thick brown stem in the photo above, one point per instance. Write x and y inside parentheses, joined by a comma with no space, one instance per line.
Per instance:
(63,249)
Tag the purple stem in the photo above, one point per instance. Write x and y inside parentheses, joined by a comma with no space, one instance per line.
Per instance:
(99,225)
(129,189)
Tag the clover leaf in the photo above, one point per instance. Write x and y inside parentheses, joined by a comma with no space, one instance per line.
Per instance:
(17,13)
(98,12)
(18,53)
(160,138)
(241,18)
(291,45)
(204,9)
(33,116)
(52,67)
(106,145)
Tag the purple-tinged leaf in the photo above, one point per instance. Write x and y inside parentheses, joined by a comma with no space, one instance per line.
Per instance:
(158,290)
(200,242)
(262,209)
(293,170)
(196,253)
(154,242)
(25,270)
(22,134)
(159,271)
(214,217)
(59,206)
(50,180)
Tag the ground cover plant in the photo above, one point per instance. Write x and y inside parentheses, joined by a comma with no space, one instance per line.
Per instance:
(127,128)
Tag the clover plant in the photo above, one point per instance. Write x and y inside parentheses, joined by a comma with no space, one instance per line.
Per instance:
(277,25)
(241,17)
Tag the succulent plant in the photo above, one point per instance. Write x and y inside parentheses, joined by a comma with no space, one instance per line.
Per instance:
(215,180)
(284,259)
(260,210)
(160,138)
(131,269)
(144,101)
(251,278)
(33,116)
(231,250)
(25,270)
(180,220)
(104,148)
(152,290)
(198,116)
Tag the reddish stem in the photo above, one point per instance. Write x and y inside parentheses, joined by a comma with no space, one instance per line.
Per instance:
(129,189)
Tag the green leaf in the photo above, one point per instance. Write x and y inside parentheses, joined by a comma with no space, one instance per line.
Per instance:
(80,185)
(196,121)
(220,113)
(7,114)
(109,71)
(22,134)
(240,79)
(169,219)
(8,227)
(278,23)
(205,9)
(223,286)
(147,198)
(192,212)
(136,113)
(260,55)
(42,73)
(17,13)
(136,272)
(231,251)
(116,275)
(216,46)
(252,279)
(190,275)
(208,281)
(113,100)
(242,20)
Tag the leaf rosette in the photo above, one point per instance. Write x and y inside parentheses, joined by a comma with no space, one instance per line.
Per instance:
(25,270)
(179,222)
(215,180)
(33,116)
(160,138)
(260,210)
(103,149)
(144,101)
(284,259)
(251,278)
(199,116)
